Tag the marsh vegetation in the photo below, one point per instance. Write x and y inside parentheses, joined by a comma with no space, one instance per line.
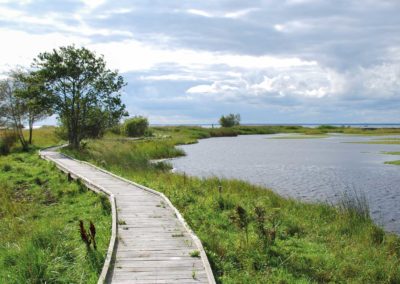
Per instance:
(251,234)
(40,212)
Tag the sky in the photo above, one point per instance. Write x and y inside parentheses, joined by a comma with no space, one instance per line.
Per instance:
(188,62)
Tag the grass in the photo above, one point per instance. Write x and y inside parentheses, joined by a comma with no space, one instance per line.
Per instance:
(45,137)
(190,134)
(392,153)
(39,221)
(251,234)
(380,141)
(397,163)
(194,253)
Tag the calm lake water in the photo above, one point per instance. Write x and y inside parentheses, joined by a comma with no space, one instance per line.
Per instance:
(307,169)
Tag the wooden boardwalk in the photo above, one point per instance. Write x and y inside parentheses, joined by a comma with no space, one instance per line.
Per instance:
(153,244)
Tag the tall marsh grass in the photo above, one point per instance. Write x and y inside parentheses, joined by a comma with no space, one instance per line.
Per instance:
(39,214)
(355,205)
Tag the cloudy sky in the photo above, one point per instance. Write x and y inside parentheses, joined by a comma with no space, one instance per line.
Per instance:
(272,61)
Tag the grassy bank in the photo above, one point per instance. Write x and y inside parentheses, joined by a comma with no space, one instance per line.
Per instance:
(39,223)
(383,141)
(393,162)
(251,234)
(182,132)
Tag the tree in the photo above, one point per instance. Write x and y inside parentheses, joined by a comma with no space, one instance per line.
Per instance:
(38,101)
(136,126)
(13,108)
(229,120)
(83,89)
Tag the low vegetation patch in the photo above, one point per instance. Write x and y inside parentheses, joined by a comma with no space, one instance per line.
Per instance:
(40,213)
(387,141)
(393,162)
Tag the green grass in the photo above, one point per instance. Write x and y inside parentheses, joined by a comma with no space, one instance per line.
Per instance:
(385,141)
(397,163)
(251,234)
(39,221)
(44,137)
(190,134)
(392,153)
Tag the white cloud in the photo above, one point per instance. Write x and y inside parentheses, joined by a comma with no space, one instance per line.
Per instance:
(293,26)
(201,89)
(309,82)
(200,13)
(113,12)
(169,77)
(300,2)
(19,2)
(379,81)
(230,15)
(55,21)
(132,55)
(19,48)
(93,4)
(239,13)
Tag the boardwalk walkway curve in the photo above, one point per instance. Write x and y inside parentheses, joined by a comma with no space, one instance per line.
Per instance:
(150,241)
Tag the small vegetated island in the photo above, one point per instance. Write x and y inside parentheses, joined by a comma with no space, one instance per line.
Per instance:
(251,234)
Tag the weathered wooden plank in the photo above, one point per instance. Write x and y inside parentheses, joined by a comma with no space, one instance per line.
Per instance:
(173,274)
(158,265)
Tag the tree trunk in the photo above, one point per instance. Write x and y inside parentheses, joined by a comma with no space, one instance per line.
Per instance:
(21,138)
(74,138)
(75,142)
(30,131)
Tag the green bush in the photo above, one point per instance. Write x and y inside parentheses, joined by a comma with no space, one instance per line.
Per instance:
(116,129)
(136,126)
(7,140)
(229,120)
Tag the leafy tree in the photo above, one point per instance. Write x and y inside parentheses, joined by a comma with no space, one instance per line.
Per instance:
(84,91)
(136,126)
(229,120)
(38,101)
(13,109)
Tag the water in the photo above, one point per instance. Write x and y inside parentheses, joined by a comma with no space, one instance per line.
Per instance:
(307,169)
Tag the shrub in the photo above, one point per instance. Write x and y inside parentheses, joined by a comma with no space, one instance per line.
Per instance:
(7,140)
(229,120)
(116,129)
(136,126)
(223,132)
(327,127)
